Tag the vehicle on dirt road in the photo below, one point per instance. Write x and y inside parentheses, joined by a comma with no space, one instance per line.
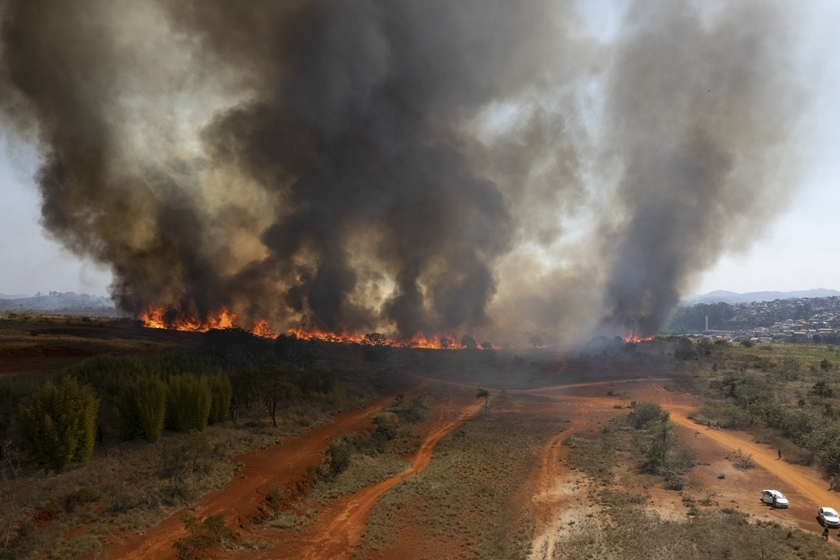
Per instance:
(774,498)
(829,518)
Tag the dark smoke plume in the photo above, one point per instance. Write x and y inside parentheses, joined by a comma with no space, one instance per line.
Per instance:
(408,166)
(700,105)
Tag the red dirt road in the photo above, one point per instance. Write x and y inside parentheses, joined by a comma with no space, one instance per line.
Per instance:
(336,529)
(240,499)
(588,408)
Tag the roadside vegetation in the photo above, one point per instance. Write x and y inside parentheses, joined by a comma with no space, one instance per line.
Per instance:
(119,441)
(472,501)
(787,395)
(615,516)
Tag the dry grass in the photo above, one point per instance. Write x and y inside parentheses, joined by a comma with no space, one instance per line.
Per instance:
(125,487)
(472,492)
(624,525)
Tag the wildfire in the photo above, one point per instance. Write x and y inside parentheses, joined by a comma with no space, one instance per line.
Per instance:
(373,339)
(263,329)
(156,318)
(633,337)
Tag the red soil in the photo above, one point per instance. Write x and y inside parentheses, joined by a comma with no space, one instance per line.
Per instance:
(283,466)
(337,528)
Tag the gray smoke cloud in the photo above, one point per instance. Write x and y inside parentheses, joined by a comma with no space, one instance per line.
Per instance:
(413,166)
(700,105)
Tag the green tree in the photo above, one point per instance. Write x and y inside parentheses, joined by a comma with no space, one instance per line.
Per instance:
(142,407)
(645,413)
(662,438)
(274,385)
(822,390)
(221,393)
(188,403)
(57,423)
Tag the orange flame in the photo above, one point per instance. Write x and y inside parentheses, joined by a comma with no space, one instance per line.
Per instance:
(633,337)
(263,329)
(155,318)
(343,336)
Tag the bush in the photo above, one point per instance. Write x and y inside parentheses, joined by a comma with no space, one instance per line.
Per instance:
(339,455)
(221,394)
(202,533)
(57,423)
(188,403)
(645,413)
(142,406)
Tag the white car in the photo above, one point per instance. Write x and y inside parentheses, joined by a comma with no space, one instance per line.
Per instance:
(774,498)
(829,518)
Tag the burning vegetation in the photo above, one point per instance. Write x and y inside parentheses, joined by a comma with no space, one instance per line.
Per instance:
(414,167)
(160,318)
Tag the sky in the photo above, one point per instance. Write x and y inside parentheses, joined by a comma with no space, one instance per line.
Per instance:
(799,250)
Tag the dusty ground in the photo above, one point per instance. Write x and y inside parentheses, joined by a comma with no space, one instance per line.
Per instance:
(555,494)
(547,497)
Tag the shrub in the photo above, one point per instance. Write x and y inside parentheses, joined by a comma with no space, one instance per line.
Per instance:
(202,533)
(188,403)
(221,394)
(339,455)
(645,413)
(142,406)
(57,423)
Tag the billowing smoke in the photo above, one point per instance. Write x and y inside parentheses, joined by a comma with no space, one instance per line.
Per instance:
(410,166)
(699,106)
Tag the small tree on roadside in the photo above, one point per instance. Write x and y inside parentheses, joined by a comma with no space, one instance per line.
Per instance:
(202,533)
(57,423)
(274,385)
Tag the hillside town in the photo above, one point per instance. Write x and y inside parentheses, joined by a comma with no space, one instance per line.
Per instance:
(796,319)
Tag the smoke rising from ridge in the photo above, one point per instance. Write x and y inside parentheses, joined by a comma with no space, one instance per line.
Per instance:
(412,166)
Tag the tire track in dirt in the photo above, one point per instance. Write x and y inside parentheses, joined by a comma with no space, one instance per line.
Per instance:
(803,480)
(338,528)
(239,500)
(585,403)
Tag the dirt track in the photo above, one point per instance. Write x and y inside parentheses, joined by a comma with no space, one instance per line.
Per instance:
(716,450)
(335,530)
(240,499)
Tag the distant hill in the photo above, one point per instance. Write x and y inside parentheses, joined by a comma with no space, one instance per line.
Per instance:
(732,297)
(13,296)
(56,301)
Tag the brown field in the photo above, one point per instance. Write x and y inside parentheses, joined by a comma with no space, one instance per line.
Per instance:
(551,470)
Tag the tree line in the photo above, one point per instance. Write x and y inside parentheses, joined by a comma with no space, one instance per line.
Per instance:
(105,398)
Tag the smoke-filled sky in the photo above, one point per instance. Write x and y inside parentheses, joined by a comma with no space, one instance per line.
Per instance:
(494,168)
